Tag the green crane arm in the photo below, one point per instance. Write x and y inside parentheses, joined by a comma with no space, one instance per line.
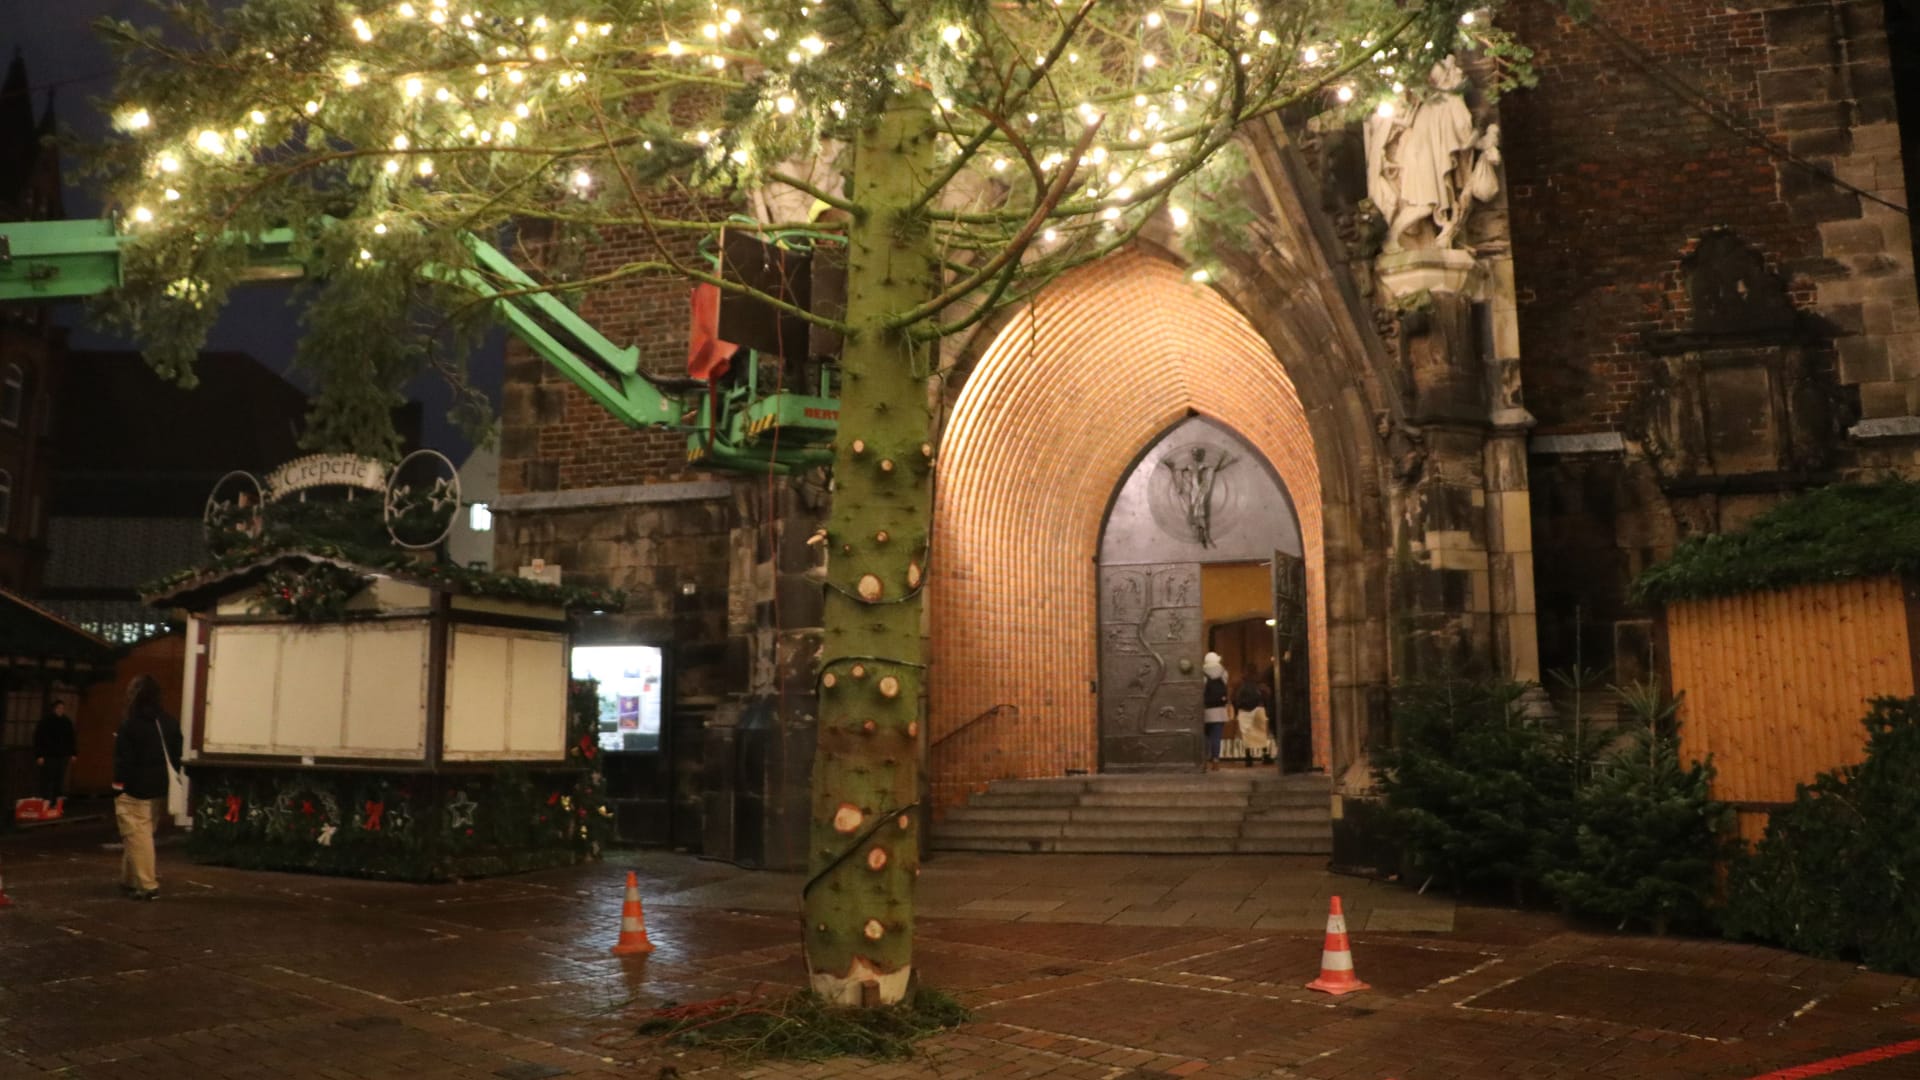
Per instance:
(63,260)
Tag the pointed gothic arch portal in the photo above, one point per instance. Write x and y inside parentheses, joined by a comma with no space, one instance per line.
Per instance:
(1201,551)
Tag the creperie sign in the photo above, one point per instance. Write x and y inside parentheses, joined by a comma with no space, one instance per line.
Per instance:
(326,470)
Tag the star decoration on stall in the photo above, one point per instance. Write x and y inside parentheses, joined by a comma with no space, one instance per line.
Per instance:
(326,835)
(460,810)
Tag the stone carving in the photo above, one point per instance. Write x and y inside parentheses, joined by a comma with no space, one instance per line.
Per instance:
(1428,163)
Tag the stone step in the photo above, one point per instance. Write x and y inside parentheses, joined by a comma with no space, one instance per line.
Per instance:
(1150,831)
(976,812)
(1188,846)
(1022,800)
(1222,799)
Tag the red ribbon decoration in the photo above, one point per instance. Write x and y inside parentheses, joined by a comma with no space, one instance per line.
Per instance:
(375,811)
(233,808)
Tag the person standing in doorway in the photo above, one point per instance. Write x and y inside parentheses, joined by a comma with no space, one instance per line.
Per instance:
(146,749)
(54,748)
(1250,709)
(1213,702)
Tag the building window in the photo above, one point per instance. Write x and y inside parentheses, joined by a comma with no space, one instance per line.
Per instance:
(13,393)
(479,518)
(6,501)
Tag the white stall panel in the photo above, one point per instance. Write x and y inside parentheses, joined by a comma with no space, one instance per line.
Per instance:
(313,685)
(387,690)
(537,701)
(478,662)
(243,668)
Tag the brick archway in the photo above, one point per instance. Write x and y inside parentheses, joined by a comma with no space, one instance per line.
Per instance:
(1051,416)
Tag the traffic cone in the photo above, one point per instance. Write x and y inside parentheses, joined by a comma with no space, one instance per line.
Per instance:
(5,900)
(633,924)
(1336,958)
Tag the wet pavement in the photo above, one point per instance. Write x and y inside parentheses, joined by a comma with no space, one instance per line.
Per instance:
(1074,966)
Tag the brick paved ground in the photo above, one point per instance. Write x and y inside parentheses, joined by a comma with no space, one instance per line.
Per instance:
(248,976)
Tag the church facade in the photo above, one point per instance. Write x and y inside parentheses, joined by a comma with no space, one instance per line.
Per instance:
(1476,365)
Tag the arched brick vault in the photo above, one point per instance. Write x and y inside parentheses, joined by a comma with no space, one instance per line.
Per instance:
(1051,416)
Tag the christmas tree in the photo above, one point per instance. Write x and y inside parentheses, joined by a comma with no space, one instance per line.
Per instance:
(960,155)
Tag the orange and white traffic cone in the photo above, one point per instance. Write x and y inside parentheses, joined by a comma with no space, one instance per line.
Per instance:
(5,900)
(1336,958)
(633,924)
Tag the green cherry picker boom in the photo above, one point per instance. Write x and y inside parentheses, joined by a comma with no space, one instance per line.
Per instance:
(732,419)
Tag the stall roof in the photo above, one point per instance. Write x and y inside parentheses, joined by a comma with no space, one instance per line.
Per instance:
(203,588)
(31,634)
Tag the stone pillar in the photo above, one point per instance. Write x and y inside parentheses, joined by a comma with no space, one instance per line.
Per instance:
(1516,638)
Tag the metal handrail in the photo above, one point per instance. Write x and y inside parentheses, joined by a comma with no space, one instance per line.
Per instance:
(994,711)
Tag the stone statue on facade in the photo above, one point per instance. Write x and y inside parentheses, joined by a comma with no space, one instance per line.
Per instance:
(1429,163)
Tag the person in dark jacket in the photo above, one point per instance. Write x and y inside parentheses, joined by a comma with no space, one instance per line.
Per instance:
(54,748)
(146,746)
(1213,704)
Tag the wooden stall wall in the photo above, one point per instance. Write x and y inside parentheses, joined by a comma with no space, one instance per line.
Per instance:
(1776,683)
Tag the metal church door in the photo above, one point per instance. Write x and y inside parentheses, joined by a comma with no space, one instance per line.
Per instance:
(1200,494)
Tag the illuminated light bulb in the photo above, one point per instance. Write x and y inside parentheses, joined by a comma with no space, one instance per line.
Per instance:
(1153,20)
(1148,60)
(392,166)
(522,111)
(1345,93)
(540,22)
(436,17)
(1267,39)
(138,120)
(952,35)
(1467,19)
(365,255)
(1033,118)
(1111,213)
(999,164)
(405,11)
(1399,88)
(1179,215)
(1385,109)
(351,76)
(486,136)
(710,32)
(718,62)
(257,116)
(1211,87)
(380,229)
(1073,58)
(479,69)
(813,45)
(169,163)
(1251,18)
(1311,55)
(515,77)
(733,16)
(739,157)
(1050,236)
(1099,157)
(605,29)
(411,89)
(1200,277)
(1135,134)
(770,34)
(582,179)
(142,215)
(784,104)
(401,142)
(172,195)
(312,107)
(361,30)
(240,135)
(425,167)
(1040,61)
(793,56)
(580,28)
(702,137)
(508,129)
(442,94)
(482,92)
(539,52)
(1122,194)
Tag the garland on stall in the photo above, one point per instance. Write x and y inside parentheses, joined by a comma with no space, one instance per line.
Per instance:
(412,826)
(318,592)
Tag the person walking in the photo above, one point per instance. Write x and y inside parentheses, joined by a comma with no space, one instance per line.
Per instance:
(54,748)
(1213,702)
(145,750)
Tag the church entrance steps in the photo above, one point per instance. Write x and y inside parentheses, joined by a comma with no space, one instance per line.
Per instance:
(1229,812)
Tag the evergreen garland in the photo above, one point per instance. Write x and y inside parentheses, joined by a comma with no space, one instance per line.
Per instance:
(316,593)
(1835,533)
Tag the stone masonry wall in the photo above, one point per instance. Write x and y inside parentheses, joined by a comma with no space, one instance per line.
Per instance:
(1657,125)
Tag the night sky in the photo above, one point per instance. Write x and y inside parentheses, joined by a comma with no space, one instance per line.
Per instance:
(62,53)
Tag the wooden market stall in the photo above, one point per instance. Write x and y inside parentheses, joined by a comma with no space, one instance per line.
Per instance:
(1778,636)
(396,721)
